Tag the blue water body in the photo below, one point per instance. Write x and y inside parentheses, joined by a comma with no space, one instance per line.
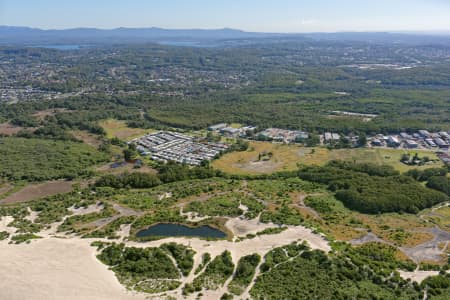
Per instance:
(188,44)
(169,230)
(61,47)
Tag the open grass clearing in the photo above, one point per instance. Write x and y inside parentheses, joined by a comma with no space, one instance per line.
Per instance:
(287,157)
(246,162)
(380,156)
(119,129)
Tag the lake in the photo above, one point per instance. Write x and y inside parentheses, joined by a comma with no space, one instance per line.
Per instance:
(194,44)
(170,230)
(61,47)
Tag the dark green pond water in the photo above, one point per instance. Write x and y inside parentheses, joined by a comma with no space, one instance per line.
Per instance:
(170,230)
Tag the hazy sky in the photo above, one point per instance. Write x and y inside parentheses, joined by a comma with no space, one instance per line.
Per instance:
(250,15)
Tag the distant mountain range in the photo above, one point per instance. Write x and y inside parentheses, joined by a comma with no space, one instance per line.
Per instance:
(10,35)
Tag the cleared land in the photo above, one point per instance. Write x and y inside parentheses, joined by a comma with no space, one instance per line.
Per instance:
(128,167)
(119,129)
(35,191)
(42,114)
(8,129)
(287,157)
(5,188)
(87,138)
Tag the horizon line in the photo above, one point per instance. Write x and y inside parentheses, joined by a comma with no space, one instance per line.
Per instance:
(408,31)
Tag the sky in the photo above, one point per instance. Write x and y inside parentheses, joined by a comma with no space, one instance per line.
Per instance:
(249,15)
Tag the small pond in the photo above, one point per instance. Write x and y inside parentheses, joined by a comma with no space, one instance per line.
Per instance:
(170,230)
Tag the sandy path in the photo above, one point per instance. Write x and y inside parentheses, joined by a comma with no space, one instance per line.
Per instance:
(56,269)
(260,244)
(246,293)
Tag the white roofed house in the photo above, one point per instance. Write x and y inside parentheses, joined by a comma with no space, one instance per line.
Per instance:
(411,144)
(230,131)
(393,141)
(217,127)
(441,143)
(335,136)
(424,133)
(377,142)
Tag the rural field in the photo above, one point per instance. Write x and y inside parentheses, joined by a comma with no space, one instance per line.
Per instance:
(288,157)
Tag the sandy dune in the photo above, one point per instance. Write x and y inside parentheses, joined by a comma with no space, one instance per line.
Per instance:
(66,268)
(56,269)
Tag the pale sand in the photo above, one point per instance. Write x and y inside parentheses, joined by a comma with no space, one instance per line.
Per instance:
(32,215)
(242,227)
(4,221)
(93,208)
(417,276)
(54,268)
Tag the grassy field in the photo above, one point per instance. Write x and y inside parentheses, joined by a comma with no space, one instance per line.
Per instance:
(385,156)
(287,157)
(117,128)
(284,158)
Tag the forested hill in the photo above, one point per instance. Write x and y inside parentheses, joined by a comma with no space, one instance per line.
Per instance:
(10,35)
(26,35)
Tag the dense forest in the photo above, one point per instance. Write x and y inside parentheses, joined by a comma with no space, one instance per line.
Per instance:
(298,273)
(373,189)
